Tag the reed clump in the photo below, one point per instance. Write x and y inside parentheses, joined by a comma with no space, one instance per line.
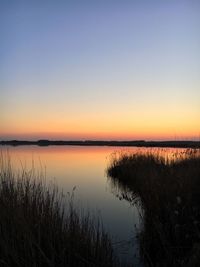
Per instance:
(169,193)
(37,229)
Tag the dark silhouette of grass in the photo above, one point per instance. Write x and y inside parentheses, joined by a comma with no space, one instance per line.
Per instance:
(168,191)
(37,229)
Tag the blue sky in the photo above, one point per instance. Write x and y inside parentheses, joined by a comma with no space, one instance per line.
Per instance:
(68,64)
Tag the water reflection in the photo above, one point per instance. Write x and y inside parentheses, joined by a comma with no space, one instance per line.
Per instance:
(85,168)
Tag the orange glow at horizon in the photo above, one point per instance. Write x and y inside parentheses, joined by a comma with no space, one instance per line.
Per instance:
(102,135)
(116,125)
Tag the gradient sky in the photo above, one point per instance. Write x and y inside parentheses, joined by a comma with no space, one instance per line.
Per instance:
(100,69)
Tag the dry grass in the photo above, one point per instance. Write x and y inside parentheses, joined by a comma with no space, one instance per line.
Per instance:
(169,193)
(37,229)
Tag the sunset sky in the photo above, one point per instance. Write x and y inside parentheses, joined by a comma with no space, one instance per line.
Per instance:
(100,69)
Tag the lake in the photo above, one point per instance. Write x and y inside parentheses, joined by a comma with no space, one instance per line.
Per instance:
(84,168)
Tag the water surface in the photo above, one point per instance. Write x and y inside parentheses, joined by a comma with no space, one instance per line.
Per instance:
(85,169)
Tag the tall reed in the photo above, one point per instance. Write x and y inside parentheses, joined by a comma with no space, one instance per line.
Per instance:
(169,192)
(37,229)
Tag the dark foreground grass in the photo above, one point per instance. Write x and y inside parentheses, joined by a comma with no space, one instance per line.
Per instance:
(36,229)
(169,193)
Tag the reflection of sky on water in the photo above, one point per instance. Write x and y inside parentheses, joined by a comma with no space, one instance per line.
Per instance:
(84,167)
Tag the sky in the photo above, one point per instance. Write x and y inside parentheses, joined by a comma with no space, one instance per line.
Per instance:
(114,70)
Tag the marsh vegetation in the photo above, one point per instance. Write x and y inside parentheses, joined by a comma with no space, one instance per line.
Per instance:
(167,190)
(39,226)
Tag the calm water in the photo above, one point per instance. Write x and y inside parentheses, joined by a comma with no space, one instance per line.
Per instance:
(84,167)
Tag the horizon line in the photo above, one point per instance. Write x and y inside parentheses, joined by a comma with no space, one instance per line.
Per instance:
(136,143)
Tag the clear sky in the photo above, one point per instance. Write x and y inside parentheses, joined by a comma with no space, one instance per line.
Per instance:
(100,69)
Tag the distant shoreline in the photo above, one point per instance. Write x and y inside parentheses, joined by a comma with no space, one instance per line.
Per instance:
(137,143)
